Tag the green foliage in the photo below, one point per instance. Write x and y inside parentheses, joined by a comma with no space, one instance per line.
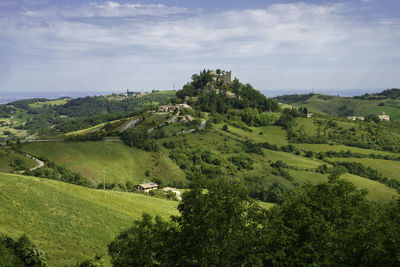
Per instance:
(20,253)
(55,171)
(140,139)
(230,95)
(242,162)
(328,224)
(215,228)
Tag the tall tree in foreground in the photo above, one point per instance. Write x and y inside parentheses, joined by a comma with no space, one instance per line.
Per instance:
(328,224)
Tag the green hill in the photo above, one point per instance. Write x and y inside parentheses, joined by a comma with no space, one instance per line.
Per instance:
(70,223)
(120,162)
(345,106)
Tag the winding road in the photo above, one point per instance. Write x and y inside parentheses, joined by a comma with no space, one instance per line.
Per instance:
(41,163)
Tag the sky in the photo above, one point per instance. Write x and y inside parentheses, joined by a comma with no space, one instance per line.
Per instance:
(92,46)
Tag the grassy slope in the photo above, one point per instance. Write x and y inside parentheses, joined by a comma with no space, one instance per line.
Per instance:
(56,102)
(361,107)
(388,168)
(376,191)
(70,222)
(326,147)
(7,156)
(120,162)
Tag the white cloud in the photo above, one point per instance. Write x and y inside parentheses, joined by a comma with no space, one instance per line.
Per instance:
(313,43)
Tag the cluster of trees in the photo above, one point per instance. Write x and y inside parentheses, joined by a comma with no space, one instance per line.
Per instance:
(5,111)
(213,95)
(20,253)
(54,171)
(94,136)
(24,103)
(328,224)
(242,161)
(293,98)
(139,138)
(195,162)
(259,188)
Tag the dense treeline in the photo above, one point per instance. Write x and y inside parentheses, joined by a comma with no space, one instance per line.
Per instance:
(293,98)
(20,253)
(139,138)
(90,106)
(328,224)
(6,111)
(24,104)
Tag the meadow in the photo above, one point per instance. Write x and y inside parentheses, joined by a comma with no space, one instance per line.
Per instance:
(70,223)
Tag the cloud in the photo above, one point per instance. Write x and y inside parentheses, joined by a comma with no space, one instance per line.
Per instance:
(313,43)
(107,10)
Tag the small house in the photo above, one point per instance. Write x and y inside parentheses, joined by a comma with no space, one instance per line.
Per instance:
(163,108)
(146,187)
(353,118)
(384,117)
(309,115)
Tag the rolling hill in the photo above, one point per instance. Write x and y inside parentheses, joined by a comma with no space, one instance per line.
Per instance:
(345,106)
(70,223)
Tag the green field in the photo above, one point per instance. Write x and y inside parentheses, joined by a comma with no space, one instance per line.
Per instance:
(334,105)
(376,190)
(120,162)
(8,156)
(271,134)
(56,102)
(389,168)
(338,148)
(292,160)
(69,222)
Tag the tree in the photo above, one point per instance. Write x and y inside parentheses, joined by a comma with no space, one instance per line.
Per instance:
(329,224)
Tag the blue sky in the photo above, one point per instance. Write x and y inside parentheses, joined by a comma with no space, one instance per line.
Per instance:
(76,45)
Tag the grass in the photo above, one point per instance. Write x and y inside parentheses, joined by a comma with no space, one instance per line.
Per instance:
(389,168)
(292,160)
(120,162)
(326,147)
(376,191)
(334,105)
(7,156)
(70,223)
(57,102)
(271,134)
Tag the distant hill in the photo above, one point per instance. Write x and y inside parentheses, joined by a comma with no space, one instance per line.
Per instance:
(387,101)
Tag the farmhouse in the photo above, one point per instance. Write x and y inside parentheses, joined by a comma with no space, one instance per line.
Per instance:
(146,187)
(309,115)
(353,118)
(384,117)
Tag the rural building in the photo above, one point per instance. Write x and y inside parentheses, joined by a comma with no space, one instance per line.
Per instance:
(384,117)
(353,118)
(146,187)
(309,115)
(163,108)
